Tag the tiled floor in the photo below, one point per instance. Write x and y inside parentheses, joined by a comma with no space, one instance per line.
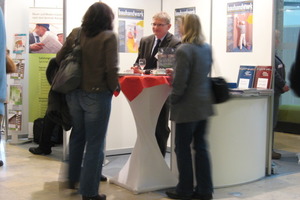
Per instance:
(28,177)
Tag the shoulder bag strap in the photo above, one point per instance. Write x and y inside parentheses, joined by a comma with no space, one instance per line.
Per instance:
(77,39)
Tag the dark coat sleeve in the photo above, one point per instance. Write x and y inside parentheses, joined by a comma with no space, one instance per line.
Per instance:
(297,59)
(58,110)
(279,76)
(294,75)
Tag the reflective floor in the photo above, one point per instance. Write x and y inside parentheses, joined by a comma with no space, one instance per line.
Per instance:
(29,177)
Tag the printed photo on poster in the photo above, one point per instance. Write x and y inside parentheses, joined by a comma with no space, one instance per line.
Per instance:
(180,12)
(45,30)
(131,29)
(15,96)
(19,74)
(15,120)
(239,26)
(19,43)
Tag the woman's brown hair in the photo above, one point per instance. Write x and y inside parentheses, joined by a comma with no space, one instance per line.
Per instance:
(99,17)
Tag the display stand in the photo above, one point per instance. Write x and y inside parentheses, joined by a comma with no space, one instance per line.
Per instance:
(15,140)
(5,121)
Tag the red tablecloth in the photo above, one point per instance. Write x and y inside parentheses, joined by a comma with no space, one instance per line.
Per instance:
(132,86)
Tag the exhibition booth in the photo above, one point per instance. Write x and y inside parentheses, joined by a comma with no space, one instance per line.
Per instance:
(239,132)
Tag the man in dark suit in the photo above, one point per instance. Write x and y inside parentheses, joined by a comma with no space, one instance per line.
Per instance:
(147,49)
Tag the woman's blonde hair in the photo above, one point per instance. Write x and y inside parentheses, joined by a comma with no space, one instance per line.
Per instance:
(192,30)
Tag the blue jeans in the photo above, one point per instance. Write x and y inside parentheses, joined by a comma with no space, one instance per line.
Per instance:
(184,135)
(90,115)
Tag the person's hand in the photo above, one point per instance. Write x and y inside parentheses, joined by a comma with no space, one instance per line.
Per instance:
(169,71)
(136,70)
(36,46)
(285,88)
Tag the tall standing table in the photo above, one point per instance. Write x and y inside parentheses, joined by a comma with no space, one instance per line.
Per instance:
(146,169)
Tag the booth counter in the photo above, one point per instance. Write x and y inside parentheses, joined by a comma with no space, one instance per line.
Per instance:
(238,140)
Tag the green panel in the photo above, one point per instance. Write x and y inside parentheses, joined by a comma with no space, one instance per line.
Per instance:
(289,113)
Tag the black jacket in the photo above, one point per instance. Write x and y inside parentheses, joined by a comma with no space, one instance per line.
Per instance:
(279,75)
(294,75)
(57,110)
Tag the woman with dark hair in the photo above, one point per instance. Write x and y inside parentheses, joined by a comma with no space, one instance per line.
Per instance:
(90,104)
(191,107)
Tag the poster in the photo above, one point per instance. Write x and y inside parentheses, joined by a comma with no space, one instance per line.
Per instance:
(19,43)
(45,30)
(39,86)
(180,12)
(19,74)
(15,85)
(131,29)
(15,96)
(45,40)
(15,120)
(239,26)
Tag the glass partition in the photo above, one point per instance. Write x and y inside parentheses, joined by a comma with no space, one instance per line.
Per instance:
(288,23)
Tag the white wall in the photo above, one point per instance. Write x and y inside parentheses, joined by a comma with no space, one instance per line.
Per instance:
(150,8)
(16,21)
(75,9)
(43,3)
(122,131)
(203,10)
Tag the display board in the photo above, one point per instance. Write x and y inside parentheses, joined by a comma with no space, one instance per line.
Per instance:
(228,63)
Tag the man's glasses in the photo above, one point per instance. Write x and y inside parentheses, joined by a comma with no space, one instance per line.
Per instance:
(158,25)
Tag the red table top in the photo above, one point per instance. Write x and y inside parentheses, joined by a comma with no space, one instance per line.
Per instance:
(132,86)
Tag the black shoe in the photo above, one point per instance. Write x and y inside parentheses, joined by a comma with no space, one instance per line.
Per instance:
(202,196)
(39,151)
(1,163)
(68,185)
(276,155)
(172,194)
(98,197)
(73,185)
(103,178)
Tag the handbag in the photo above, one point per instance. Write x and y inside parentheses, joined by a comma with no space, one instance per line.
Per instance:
(220,90)
(10,65)
(68,76)
(219,86)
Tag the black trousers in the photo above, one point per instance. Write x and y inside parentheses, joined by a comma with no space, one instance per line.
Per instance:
(162,131)
(45,137)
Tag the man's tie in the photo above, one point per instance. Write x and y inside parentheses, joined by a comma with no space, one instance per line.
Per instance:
(153,62)
(37,39)
(155,50)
